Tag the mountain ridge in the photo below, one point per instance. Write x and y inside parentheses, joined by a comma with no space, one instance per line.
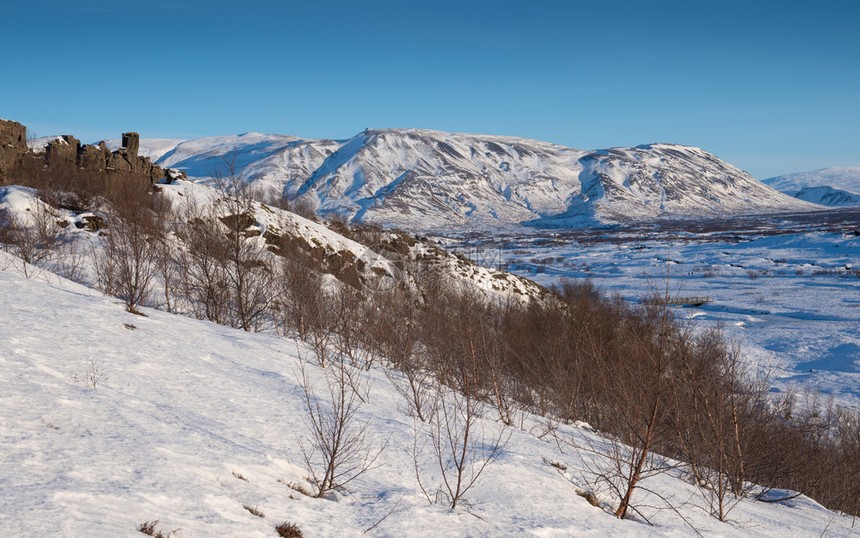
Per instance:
(421,179)
(837,186)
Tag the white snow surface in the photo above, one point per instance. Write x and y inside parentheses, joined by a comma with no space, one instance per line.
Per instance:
(154,148)
(845,178)
(185,406)
(828,196)
(40,143)
(419,180)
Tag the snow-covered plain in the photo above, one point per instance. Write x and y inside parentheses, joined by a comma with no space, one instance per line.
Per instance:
(183,407)
(787,290)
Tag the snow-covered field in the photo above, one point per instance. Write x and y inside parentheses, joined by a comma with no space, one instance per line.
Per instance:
(181,408)
(791,299)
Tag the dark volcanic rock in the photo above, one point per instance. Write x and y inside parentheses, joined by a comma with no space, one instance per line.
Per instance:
(13,146)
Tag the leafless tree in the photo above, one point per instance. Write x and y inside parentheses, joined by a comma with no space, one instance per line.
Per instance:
(21,240)
(201,262)
(636,373)
(395,333)
(131,250)
(308,307)
(337,450)
(460,443)
(353,318)
(248,268)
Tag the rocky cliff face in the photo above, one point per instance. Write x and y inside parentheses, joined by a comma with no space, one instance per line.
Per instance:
(124,161)
(124,164)
(13,146)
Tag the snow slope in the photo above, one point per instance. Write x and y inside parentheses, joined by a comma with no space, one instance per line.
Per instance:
(184,407)
(420,180)
(828,196)
(836,186)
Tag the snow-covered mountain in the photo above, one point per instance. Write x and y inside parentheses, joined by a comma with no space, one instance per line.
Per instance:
(828,196)
(836,186)
(420,179)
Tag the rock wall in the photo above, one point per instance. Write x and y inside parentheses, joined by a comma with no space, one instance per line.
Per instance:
(124,162)
(122,165)
(13,146)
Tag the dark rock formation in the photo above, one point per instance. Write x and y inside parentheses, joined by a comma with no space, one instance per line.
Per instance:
(62,150)
(131,143)
(66,151)
(13,146)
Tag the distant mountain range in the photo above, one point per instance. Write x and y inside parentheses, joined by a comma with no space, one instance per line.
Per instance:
(431,180)
(837,186)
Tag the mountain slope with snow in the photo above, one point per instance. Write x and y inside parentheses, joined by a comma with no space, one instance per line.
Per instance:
(836,186)
(420,179)
(189,422)
(829,196)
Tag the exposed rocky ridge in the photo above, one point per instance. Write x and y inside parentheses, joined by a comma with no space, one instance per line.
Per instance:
(13,146)
(418,179)
(366,257)
(123,164)
(99,158)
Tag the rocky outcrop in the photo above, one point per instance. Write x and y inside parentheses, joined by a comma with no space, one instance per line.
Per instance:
(63,149)
(13,146)
(123,164)
(131,143)
(67,151)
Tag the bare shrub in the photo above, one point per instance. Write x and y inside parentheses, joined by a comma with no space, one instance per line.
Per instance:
(224,270)
(91,376)
(254,510)
(288,530)
(337,450)
(395,331)
(68,262)
(460,444)
(309,308)
(149,528)
(352,316)
(239,476)
(21,240)
(248,270)
(203,277)
(44,219)
(33,238)
(714,419)
(131,248)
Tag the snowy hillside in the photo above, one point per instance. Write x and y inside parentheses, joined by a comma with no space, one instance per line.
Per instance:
(421,180)
(389,259)
(828,196)
(836,186)
(111,420)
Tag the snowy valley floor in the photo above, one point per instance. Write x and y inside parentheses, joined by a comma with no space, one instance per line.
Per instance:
(183,407)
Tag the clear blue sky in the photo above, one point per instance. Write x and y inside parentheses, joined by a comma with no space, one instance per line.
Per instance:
(770,86)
